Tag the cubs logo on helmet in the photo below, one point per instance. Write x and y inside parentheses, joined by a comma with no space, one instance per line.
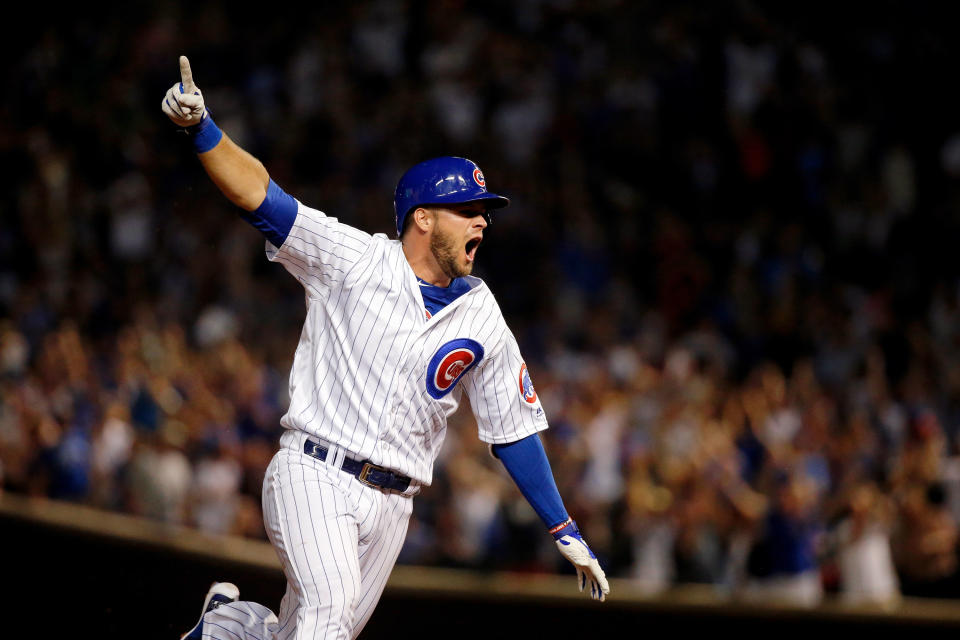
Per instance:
(526,385)
(478,177)
(451,361)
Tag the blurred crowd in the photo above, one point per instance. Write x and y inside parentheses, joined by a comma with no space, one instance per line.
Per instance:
(726,261)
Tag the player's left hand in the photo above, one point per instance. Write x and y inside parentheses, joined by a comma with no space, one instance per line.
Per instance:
(183,102)
(574,548)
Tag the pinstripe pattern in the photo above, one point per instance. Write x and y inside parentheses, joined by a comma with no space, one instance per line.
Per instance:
(359,372)
(337,541)
(358,385)
(240,620)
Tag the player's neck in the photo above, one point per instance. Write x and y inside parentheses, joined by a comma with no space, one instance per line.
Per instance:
(425,265)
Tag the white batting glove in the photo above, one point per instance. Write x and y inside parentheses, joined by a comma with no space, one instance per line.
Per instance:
(575,549)
(184,103)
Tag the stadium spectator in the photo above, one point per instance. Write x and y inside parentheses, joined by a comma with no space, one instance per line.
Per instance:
(730,268)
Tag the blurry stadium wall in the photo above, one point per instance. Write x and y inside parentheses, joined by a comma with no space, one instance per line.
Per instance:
(78,571)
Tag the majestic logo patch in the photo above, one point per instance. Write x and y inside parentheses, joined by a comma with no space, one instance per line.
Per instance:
(451,361)
(526,385)
(478,178)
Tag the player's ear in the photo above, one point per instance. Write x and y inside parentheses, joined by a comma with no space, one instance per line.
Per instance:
(424,218)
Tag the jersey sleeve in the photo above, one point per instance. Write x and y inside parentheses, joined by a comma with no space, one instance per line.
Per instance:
(502,396)
(318,250)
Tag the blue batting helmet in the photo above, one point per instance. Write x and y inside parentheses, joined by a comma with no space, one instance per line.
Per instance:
(442,181)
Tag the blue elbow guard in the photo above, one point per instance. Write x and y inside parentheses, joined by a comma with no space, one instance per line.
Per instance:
(275,216)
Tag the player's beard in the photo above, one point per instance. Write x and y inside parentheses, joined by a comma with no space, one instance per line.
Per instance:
(446,251)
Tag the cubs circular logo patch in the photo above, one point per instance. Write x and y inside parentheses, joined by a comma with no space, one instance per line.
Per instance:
(526,385)
(478,178)
(451,361)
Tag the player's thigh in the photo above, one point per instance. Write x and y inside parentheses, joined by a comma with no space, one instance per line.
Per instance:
(383,527)
(311,522)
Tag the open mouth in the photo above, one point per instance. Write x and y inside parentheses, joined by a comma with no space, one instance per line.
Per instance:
(471,248)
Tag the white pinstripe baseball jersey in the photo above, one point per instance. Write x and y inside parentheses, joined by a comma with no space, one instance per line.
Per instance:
(372,374)
(374,377)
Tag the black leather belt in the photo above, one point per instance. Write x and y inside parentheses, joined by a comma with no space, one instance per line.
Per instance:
(366,472)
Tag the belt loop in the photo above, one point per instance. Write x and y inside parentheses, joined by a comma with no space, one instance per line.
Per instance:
(335,456)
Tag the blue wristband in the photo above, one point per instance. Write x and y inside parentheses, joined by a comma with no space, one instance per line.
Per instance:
(569,528)
(565,528)
(205,135)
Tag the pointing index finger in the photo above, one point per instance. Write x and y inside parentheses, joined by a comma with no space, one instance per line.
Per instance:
(186,76)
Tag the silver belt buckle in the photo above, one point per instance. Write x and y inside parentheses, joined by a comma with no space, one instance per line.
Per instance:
(365,471)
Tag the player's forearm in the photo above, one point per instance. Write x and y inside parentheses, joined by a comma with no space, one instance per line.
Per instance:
(526,462)
(241,177)
(528,466)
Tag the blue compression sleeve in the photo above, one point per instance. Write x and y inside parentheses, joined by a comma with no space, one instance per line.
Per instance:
(527,463)
(275,215)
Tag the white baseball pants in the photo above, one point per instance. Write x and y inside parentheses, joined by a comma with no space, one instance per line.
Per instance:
(337,540)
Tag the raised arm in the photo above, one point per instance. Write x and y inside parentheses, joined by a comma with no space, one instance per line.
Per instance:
(241,177)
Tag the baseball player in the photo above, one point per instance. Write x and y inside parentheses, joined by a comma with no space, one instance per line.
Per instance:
(396,332)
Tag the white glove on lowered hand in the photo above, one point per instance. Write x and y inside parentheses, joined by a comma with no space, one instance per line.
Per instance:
(575,549)
(184,103)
